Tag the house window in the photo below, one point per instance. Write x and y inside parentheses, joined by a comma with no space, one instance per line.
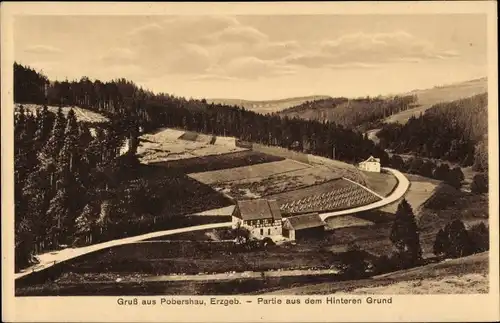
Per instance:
(261,232)
(268,232)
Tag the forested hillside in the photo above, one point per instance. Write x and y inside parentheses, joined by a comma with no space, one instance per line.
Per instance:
(137,107)
(454,131)
(364,113)
(71,182)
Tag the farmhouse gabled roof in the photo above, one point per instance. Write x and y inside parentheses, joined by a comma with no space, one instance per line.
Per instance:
(257,210)
(372,159)
(304,221)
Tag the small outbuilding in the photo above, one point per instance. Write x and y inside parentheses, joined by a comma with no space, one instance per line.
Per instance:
(372,164)
(303,226)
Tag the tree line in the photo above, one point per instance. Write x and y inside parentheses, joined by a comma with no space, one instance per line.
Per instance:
(143,109)
(454,131)
(362,113)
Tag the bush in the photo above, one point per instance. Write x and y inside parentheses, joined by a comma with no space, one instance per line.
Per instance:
(444,196)
(353,264)
(397,162)
(403,260)
(479,235)
(427,168)
(385,264)
(267,242)
(241,234)
(454,241)
(441,171)
(479,184)
(455,177)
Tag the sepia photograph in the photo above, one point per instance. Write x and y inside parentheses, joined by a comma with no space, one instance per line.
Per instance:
(267,155)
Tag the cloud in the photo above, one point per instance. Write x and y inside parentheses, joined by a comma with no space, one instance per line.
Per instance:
(237,34)
(254,68)
(213,77)
(210,46)
(221,47)
(119,56)
(42,49)
(363,49)
(190,59)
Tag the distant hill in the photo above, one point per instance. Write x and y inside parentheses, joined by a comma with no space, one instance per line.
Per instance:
(362,113)
(438,94)
(370,113)
(268,106)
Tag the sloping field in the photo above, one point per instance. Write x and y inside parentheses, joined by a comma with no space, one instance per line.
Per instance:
(246,172)
(421,188)
(217,162)
(334,195)
(347,170)
(172,144)
(81,114)
(468,275)
(225,141)
(280,182)
(381,183)
(427,98)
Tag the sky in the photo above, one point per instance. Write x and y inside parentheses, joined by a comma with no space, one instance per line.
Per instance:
(259,57)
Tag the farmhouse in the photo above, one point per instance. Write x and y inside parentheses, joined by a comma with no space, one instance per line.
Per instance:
(303,226)
(372,164)
(261,217)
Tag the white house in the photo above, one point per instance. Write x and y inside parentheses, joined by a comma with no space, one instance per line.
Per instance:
(261,217)
(372,164)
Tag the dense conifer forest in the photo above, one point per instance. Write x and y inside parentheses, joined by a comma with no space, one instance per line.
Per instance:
(453,131)
(361,113)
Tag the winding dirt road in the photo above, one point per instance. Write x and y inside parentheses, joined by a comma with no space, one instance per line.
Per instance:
(396,195)
(47,260)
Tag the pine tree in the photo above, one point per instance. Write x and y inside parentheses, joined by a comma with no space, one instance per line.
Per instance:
(405,233)
(87,220)
(58,214)
(50,151)
(69,154)
(458,241)
(440,243)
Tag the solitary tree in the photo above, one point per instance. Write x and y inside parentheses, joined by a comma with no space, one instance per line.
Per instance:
(440,243)
(457,242)
(405,234)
